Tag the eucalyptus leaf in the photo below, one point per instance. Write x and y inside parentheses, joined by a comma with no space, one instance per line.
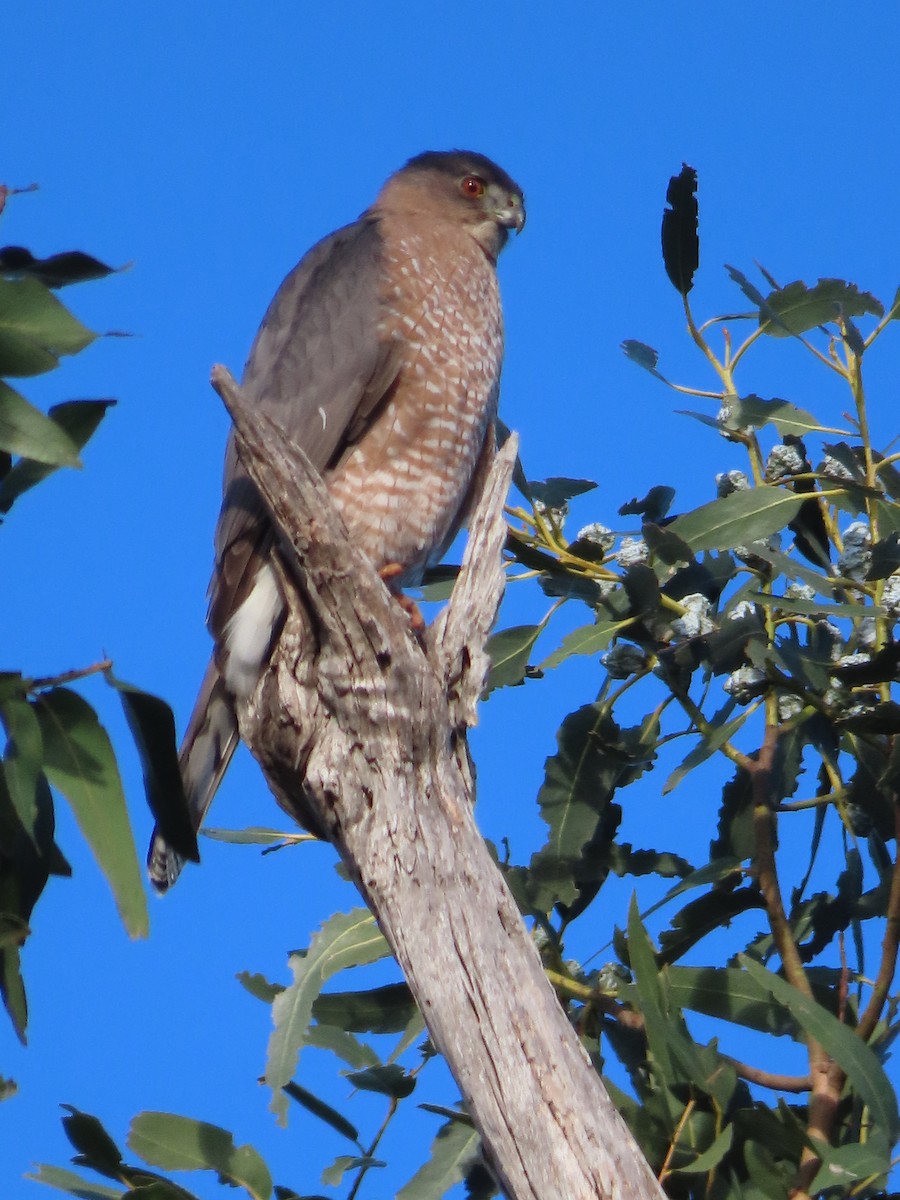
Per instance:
(178,1143)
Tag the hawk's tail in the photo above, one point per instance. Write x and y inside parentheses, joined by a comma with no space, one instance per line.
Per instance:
(209,743)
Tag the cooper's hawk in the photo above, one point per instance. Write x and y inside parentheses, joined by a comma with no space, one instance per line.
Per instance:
(380,355)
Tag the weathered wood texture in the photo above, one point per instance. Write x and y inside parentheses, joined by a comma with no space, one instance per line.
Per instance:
(360,729)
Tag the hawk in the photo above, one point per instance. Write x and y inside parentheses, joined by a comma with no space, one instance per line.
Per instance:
(380,356)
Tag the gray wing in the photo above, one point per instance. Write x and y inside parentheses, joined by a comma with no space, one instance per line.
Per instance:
(317,366)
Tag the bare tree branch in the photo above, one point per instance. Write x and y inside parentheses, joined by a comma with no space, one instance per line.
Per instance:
(361,731)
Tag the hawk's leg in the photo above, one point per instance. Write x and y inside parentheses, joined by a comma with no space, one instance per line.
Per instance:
(390,572)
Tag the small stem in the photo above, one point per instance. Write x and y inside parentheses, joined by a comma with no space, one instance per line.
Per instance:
(48,681)
(889,947)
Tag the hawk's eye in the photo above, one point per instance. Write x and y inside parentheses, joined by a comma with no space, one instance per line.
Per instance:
(472,186)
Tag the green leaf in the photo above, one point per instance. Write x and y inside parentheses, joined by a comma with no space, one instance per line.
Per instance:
(258,986)
(712,1156)
(95,1147)
(79,761)
(22,760)
(78,419)
(182,1144)
(556,491)
(256,835)
(35,329)
(74,1185)
(853,1056)
(387,1009)
(57,270)
(844,1165)
(643,355)
(388,1079)
(729,994)
(333,1175)
(786,417)
(738,519)
(800,308)
(508,651)
(345,940)
(454,1151)
(323,1111)
(350,1049)
(721,732)
(587,640)
(25,430)
(152,726)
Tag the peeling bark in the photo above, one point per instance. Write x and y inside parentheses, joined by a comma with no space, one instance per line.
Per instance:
(360,729)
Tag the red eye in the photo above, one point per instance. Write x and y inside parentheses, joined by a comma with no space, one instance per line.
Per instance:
(472,186)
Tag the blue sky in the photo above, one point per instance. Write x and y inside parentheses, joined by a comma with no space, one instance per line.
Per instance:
(209,147)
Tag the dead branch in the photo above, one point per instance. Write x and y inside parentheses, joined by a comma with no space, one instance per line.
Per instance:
(361,731)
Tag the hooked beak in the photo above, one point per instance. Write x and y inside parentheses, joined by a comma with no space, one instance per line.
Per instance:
(512,215)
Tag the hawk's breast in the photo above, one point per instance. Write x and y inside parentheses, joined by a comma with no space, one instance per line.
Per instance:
(402,487)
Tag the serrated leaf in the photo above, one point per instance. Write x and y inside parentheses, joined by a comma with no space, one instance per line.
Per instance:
(152,726)
(25,430)
(456,1148)
(345,940)
(323,1111)
(78,419)
(508,651)
(859,1063)
(738,519)
(587,640)
(57,270)
(79,762)
(800,308)
(178,1143)
(35,328)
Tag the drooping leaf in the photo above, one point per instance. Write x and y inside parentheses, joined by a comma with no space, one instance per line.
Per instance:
(852,1055)
(387,1079)
(22,759)
(178,1143)
(25,430)
(643,355)
(885,557)
(729,994)
(57,270)
(152,726)
(323,1111)
(35,329)
(95,1147)
(387,1009)
(78,419)
(349,1049)
(508,651)
(738,519)
(454,1151)
(557,490)
(79,761)
(345,940)
(800,308)
(680,241)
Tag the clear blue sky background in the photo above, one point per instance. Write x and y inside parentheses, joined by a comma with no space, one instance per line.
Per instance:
(209,146)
